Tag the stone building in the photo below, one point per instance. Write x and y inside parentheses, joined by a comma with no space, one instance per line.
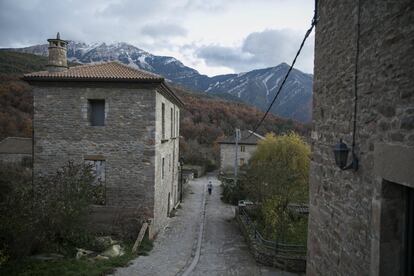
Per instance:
(246,146)
(361,221)
(122,121)
(16,150)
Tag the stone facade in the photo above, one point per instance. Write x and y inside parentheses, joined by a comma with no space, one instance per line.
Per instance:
(246,146)
(17,150)
(357,223)
(15,158)
(228,154)
(127,150)
(57,54)
(166,148)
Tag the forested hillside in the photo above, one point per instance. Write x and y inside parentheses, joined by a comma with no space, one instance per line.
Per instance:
(203,121)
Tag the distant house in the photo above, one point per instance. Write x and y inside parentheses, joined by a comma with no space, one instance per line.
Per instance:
(123,121)
(245,148)
(16,150)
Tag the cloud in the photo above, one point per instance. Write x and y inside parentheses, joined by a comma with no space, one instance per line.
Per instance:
(207,6)
(165,26)
(215,55)
(260,49)
(163,30)
(133,9)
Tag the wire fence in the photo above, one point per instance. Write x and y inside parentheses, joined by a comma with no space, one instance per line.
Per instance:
(286,250)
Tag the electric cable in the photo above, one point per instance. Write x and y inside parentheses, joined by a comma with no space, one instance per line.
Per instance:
(308,32)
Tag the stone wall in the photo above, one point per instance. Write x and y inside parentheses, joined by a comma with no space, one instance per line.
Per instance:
(227,155)
(17,158)
(166,148)
(346,223)
(63,132)
(57,55)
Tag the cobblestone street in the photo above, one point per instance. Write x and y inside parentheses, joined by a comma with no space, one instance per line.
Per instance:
(222,251)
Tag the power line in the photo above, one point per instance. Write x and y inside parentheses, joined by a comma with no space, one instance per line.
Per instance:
(308,32)
(358,32)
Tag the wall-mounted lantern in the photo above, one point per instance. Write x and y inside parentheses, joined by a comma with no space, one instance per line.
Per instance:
(341,152)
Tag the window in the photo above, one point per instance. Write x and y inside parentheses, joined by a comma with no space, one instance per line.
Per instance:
(177,123)
(172,123)
(163,168)
(96,112)
(242,161)
(99,187)
(163,121)
(242,148)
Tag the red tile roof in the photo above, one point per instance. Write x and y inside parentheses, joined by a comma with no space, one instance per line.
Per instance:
(109,71)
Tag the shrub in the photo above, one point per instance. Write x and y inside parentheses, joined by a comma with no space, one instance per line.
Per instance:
(17,221)
(232,192)
(277,176)
(49,213)
(62,201)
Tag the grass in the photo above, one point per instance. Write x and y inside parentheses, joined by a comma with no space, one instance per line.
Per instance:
(71,266)
(295,230)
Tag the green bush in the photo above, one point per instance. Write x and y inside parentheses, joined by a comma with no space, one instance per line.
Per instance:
(18,223)
(48,214)
(62,200)
(278,176)
(211,165)
(232,192)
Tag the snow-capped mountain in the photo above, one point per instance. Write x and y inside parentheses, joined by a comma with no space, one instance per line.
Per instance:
(256,87)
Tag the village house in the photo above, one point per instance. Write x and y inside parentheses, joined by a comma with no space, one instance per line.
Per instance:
(247,144)
(121,120)
(16,150)
(362,209)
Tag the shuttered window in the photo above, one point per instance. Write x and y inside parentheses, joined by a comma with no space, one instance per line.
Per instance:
(163,121)
(96,112)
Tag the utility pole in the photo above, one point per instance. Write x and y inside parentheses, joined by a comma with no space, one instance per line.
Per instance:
(236,164)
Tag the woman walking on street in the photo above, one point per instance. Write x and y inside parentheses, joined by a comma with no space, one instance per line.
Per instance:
(209,187)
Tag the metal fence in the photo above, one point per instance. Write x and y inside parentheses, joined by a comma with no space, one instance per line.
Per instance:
(279,248)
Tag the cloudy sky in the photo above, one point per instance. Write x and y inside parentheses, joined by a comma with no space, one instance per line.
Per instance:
(212,36)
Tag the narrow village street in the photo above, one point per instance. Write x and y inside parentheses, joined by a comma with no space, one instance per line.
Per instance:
(221,251)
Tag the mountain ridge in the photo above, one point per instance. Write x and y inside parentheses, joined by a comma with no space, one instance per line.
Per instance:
(256,87)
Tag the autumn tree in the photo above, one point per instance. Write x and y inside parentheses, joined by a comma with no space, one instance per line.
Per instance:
(277,176)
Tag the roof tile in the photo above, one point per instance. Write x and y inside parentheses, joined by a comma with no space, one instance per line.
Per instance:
(99,71)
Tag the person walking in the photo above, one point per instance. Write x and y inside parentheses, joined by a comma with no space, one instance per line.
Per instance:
(209,187)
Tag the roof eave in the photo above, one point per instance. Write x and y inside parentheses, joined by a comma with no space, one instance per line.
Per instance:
(177,99)
(54,79)
(239,143)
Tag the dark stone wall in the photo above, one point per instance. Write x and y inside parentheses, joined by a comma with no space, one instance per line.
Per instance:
(62,132)
(344,205)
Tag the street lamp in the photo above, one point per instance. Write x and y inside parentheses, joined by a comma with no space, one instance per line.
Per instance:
(181,178)
(341,152)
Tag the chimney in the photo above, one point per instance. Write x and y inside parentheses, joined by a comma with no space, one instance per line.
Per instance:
(57,54)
